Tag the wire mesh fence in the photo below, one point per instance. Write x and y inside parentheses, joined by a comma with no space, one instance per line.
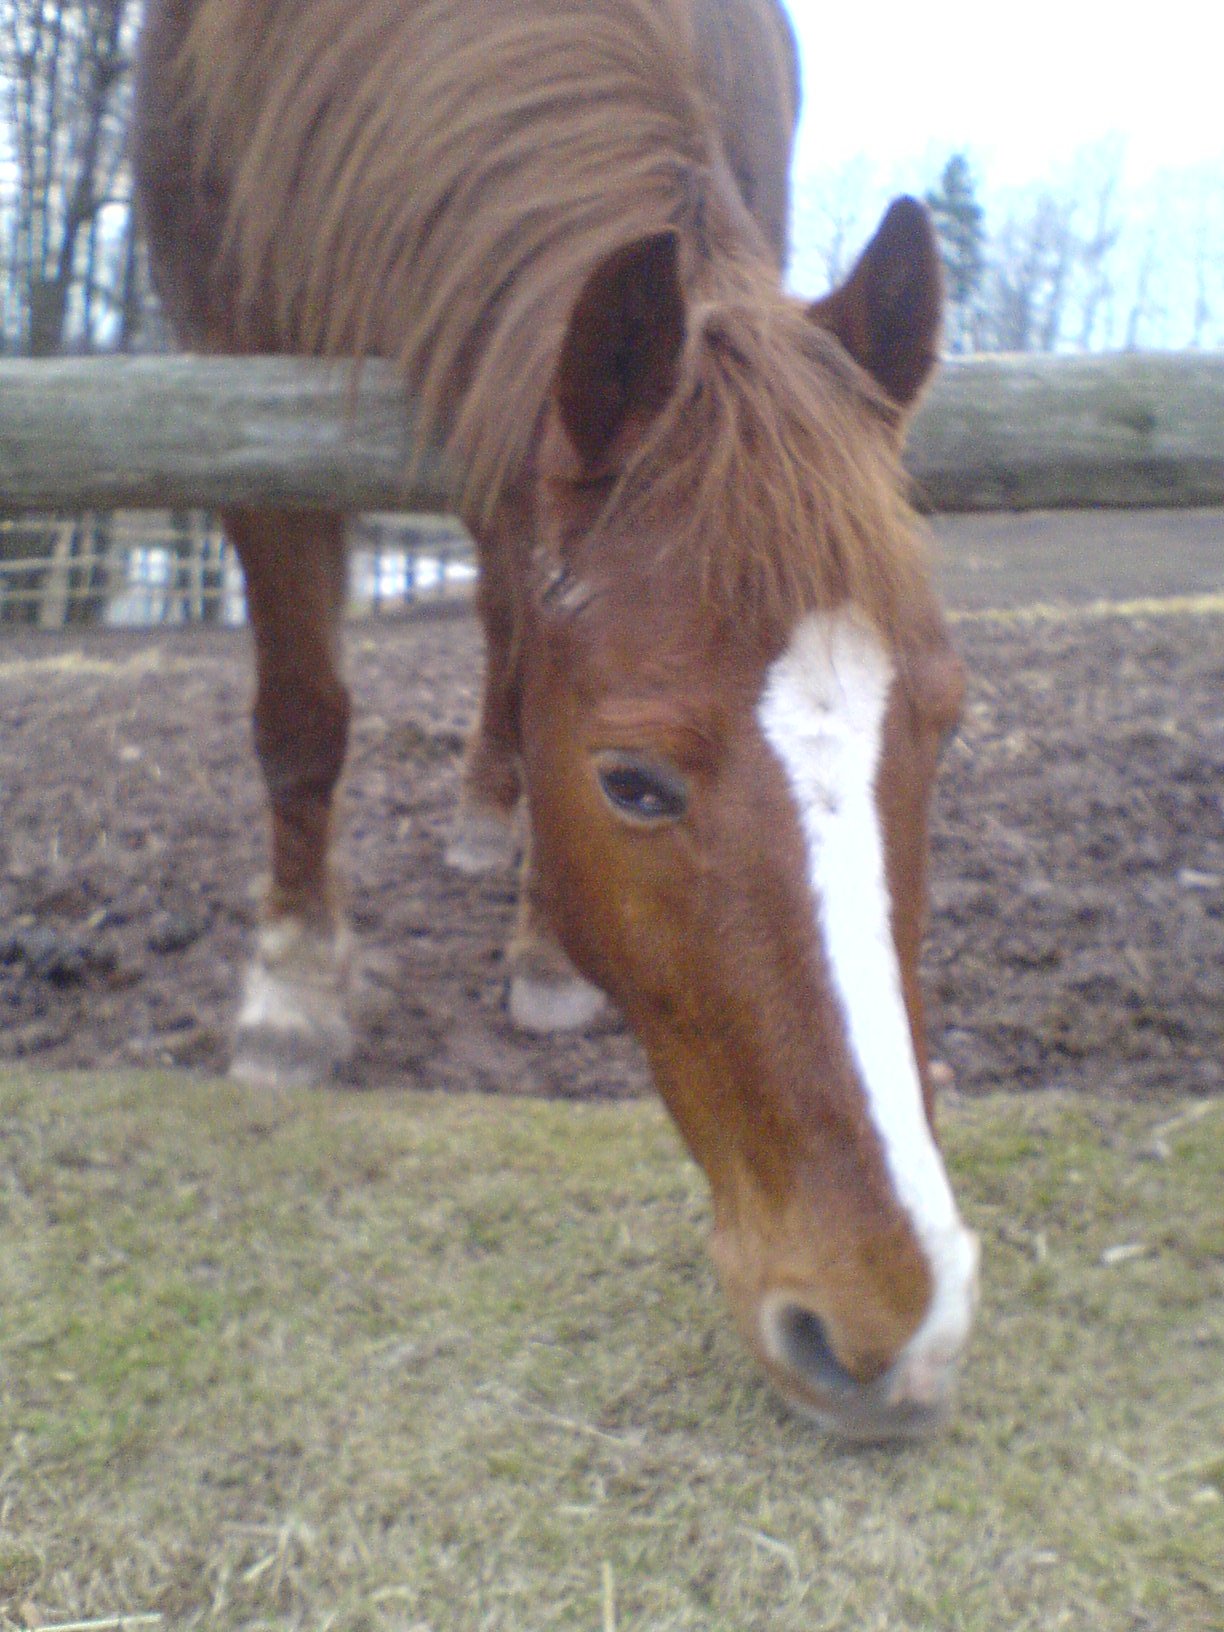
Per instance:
(140,568)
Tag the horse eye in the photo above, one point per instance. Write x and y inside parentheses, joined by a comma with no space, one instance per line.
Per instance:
(641,790)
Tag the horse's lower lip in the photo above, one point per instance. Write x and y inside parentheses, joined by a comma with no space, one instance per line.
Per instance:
(908,1400)
(866,1422)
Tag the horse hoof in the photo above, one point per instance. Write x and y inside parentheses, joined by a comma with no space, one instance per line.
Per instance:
(289,1058)
(481,842)
(292,1027)
(569,1003)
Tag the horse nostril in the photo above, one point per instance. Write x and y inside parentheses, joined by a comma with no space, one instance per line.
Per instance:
(802,1343)
(877,1404)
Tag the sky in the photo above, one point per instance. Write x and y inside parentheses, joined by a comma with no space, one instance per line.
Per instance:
(1020,88)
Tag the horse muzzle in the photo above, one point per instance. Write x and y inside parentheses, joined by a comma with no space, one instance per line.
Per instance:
(908,1397)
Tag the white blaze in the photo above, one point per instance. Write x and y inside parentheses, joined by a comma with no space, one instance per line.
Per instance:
(822,712)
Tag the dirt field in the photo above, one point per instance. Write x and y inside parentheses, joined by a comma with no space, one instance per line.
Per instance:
(1078,933)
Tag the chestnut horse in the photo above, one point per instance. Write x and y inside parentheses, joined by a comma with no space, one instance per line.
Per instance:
(715,666)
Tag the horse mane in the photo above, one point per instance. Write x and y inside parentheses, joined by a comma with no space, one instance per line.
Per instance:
(486,157)
(483,157)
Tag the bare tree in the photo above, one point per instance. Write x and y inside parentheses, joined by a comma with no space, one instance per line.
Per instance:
(65,80)
(69,261)
(1100,181)
(1203,263)
(1196,234)
(1145,308)
(834,212)
(960,222)
(1031,261)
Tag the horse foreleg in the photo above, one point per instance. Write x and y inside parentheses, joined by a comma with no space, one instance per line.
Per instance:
(546,993)
(483,836)
(293,1022)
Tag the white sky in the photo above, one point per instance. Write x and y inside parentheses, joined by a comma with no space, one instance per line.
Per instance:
(1018,87)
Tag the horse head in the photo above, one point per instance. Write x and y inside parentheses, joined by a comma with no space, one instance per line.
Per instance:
(736,682)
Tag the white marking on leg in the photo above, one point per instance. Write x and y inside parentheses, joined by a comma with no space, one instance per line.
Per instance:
(541,1005)
(293,1022)
(822,712)
(482,841)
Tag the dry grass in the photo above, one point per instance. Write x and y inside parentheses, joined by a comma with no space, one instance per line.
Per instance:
(397,1362)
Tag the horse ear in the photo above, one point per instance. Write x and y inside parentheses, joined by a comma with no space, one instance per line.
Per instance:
(889,312)
(621,352)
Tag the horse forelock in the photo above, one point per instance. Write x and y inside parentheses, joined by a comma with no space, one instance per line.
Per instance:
(774,476)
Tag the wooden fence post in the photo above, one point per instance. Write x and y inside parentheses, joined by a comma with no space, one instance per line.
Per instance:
(996,433)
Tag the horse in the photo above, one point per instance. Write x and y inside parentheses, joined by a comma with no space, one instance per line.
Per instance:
(717,675)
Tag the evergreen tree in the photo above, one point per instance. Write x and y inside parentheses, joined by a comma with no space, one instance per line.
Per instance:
(960,222)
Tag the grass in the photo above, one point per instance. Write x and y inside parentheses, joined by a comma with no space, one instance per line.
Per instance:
(394,1362)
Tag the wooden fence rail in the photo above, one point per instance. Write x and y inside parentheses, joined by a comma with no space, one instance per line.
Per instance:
(996,433)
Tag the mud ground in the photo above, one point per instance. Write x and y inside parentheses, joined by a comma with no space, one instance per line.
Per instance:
(1077,935)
